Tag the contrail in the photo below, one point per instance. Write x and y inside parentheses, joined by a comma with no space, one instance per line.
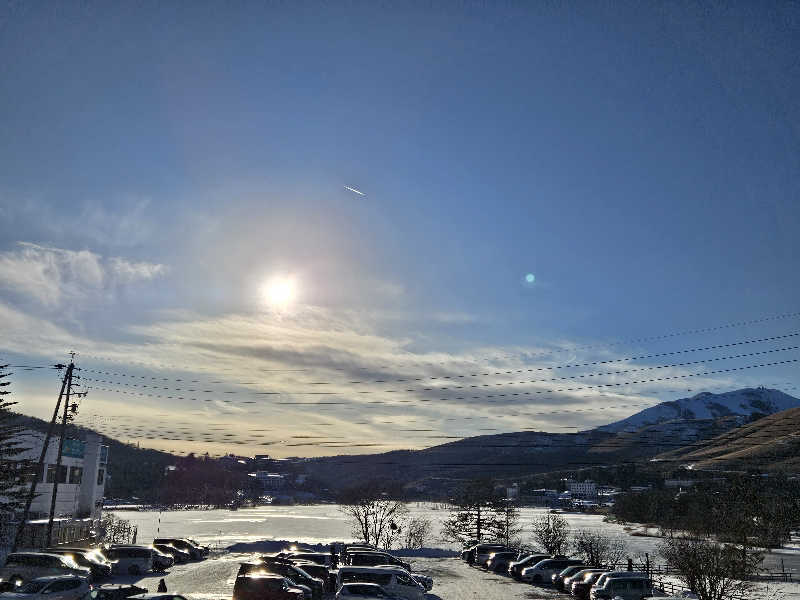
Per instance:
(355,191)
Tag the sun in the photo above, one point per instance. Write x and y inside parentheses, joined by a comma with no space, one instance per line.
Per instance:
(279,292)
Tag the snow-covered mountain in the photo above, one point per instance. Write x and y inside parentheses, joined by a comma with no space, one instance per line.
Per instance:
(745,403)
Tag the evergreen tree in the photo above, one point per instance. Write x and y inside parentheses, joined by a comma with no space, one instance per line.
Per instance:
(13,471)
(478,515)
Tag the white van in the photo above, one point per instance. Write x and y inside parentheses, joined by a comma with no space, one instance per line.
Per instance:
(133,560)
(630,587)
(396,581)
(23,566)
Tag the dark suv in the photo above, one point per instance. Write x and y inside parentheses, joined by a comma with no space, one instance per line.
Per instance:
(264,587)
(374,559)
(285,568)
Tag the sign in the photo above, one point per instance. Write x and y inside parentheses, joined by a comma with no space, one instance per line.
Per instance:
(73,448)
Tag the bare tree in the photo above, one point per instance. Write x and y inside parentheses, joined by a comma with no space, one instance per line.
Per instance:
(597,549)
(373,514)
(416,532)
(711,570)
(551,532)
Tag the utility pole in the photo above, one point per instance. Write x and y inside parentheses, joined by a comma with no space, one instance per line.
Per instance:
(67,407)
(58,459)
(40,465)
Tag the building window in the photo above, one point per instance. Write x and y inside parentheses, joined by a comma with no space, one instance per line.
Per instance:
(51,474)
(101,473)
(75,474)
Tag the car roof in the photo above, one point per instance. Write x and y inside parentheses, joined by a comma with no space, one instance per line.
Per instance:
(34,554)
(57,577)
(376,569)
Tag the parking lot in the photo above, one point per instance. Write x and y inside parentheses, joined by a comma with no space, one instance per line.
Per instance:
(213,579)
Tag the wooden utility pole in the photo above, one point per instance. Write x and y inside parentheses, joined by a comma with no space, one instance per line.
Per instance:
(57,473)
(40,465)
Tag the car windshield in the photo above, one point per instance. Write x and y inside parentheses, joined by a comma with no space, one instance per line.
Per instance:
(32,587)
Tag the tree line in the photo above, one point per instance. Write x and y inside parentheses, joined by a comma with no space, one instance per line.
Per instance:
(742,509)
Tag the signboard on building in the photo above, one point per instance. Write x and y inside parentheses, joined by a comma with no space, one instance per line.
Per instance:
(73,448)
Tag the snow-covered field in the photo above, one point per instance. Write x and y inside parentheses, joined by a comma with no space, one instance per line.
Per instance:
(321,524)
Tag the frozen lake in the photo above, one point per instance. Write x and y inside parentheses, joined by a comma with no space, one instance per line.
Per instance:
(322,523)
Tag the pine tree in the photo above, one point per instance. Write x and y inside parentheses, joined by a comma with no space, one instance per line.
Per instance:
(478,515)
(13,471)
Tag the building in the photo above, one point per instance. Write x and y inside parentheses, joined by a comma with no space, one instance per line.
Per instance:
(271,482)
(81,477)
(583,489)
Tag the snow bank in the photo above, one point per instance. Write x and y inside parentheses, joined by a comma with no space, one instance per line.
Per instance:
(268,546)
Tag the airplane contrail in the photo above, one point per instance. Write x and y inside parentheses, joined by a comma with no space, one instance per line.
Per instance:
(354,190)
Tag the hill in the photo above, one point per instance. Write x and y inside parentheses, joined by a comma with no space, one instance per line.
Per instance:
(641,436)
(769,444)
(746,403)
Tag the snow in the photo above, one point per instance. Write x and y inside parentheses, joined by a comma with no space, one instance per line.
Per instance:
(706,405)
(240,536)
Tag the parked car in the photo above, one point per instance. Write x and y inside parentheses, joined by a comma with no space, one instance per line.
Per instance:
(482,552)
(581,588)
(298,577)
(161,560)
(499,561)
(257,586)
(116,592)
(601,582)
(91,560)
(195,551)
(22,566)
(373,559)
(178,555)
(423,580)
(394,580)
(623,588)
(204,549)
(515,567)
(542,572)
(321,558)
(558,578)
(133,560)
(158,597)
(54,587)
(318,572)
(363,591)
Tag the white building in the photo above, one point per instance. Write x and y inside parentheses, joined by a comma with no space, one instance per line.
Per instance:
(81,478)
(271,481)
(583,489)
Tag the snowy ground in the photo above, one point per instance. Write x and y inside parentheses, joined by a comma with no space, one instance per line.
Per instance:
(248,531)
(322,523)
(213,579)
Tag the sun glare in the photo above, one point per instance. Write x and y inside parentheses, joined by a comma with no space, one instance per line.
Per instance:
(279,292)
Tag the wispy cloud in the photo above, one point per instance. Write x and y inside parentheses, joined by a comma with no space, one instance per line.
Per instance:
(53,276)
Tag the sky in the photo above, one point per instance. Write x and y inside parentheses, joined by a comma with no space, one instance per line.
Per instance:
(286,198)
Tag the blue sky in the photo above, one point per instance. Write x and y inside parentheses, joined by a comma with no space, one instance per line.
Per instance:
(158,164)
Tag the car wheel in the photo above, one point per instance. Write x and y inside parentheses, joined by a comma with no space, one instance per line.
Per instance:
(134,570)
